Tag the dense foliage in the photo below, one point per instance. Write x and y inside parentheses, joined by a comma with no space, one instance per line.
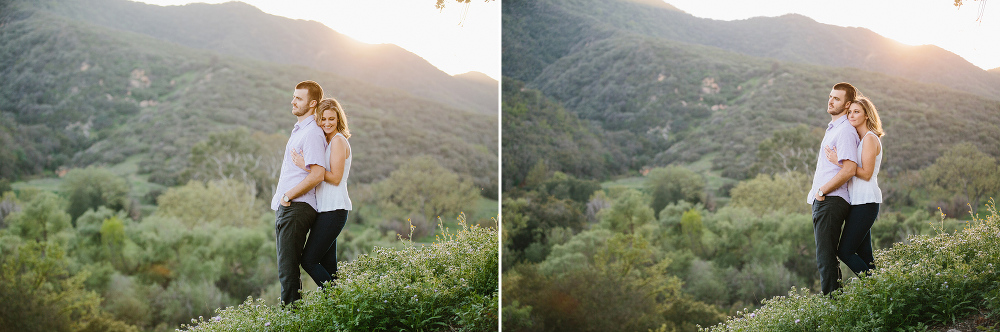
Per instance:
(449,285)
(75,94)
(547,136)
(725,141)
(38,294)
(927,281)
(682,102)
(137,173)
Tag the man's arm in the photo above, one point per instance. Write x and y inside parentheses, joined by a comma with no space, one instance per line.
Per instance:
(313,148)
(315,176)
(845,174)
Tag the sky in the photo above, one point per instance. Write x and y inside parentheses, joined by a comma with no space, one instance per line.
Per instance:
(442,37)
(911,22)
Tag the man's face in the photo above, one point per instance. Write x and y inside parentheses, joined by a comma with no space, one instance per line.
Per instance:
(300,102)
(835,106)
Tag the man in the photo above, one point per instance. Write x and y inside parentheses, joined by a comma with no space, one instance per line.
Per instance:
(294,200)
(829,196)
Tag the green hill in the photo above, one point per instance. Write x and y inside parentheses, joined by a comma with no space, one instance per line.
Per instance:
(241,30)
(538,131)
(559,26)
(686,102)
(76,94)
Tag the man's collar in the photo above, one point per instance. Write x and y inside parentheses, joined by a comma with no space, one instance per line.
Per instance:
(838,121)
(307,120)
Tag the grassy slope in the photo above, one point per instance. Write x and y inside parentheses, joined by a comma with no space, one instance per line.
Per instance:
(450,285)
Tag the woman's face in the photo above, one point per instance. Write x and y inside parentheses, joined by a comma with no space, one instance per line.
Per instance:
(328,121)
(856,115)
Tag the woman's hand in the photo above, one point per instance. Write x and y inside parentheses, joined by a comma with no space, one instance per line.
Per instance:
(298,160)
(831,154)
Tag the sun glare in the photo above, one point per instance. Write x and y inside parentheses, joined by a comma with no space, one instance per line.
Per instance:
(442,37)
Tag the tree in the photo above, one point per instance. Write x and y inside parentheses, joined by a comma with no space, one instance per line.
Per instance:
(958,3)
(240,156)
(572,289)
(788,150)
(41,219)
(674,183)
(965,170)
(223,202)
(629,212)
(92,187)
(113,241)
(766,194)
(440,3)
(39,294)
(693,229)
(424,186)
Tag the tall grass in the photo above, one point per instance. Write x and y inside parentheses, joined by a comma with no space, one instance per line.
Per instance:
(449,285)
(930,280)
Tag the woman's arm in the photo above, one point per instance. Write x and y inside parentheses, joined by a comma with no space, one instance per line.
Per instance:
(868,153)
(314,178)
(839,179)
(339,151)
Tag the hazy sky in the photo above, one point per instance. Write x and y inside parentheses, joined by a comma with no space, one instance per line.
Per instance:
(475,45)
(912,22)
(414,25)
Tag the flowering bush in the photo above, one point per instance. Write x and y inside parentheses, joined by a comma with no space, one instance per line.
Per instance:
(451,284)
(930,280)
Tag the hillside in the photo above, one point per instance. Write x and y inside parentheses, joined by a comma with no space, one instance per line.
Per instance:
(561,25)
(76,94)
(538,131)
(241,30)
(690,102)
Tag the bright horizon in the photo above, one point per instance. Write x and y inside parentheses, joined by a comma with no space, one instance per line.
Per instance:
(911,22)
(414,25)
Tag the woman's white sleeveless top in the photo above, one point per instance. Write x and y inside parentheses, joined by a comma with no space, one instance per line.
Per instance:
(330,197)
(861,191)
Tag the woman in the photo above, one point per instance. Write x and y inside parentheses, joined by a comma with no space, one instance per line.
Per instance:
(855,248)
(319,257)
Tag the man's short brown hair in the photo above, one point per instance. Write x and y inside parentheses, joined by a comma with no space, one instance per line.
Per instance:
(850,90)
(315,91)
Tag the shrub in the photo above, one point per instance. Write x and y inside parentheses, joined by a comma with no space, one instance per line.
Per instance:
(451,284)
(929,280)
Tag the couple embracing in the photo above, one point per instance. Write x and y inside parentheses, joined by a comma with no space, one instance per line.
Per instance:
(311,196)
(845,196)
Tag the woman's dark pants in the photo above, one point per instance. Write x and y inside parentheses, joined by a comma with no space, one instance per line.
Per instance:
(856,241)
(319,258)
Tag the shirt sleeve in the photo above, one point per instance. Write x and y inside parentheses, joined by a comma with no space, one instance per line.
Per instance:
(314,149)
(847,146)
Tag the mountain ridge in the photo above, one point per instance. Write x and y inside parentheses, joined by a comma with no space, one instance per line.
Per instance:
(791,37)
(226,28)
(681,102)
(75,94)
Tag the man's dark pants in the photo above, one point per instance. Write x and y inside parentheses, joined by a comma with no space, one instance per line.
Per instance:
(828,221)
(290,228)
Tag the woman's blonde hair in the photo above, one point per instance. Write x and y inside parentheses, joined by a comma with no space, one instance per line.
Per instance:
(871,115)
(333,104)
